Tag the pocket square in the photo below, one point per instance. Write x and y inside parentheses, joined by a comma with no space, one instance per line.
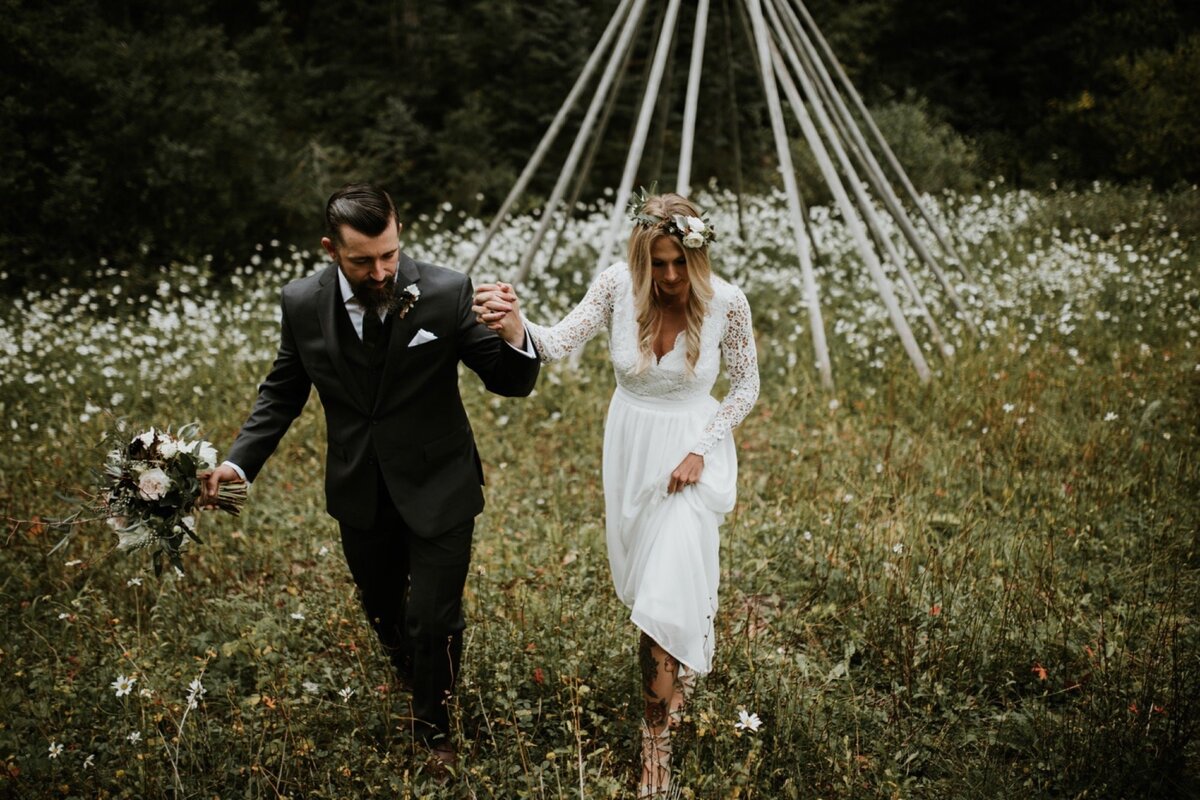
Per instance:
(422,337)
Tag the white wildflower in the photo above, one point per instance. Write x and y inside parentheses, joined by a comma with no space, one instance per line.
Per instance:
(747,722)
(123,685)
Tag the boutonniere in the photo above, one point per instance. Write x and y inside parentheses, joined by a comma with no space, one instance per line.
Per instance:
(408,298)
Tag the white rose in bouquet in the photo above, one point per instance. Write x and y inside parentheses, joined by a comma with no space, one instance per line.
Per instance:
(153,484)
(168,448)
(207,455)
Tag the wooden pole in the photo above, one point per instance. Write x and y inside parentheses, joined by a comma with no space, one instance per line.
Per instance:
(683,178)
(866,158)
(835,133)
(853,222)
(625,188)
(585,128)
(788,171)
(890,156)
(551,132)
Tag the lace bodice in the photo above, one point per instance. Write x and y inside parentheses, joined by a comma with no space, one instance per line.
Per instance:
(726,333)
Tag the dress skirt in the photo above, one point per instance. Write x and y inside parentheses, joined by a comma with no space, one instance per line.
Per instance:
(663,549)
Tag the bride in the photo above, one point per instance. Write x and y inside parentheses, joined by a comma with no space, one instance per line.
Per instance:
(670,466)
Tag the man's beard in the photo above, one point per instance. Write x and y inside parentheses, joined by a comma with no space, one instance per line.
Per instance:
(377,297)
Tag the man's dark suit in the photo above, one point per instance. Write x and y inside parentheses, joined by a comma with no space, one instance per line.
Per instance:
(402,473)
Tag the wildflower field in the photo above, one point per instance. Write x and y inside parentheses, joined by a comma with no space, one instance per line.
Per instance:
(987,586)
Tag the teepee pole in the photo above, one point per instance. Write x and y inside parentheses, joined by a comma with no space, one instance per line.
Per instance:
(886,149)
(788,172)
(849,214)
(835,133)
(585,127)
(683,180)
(551,132)
(625,188)
(866,158)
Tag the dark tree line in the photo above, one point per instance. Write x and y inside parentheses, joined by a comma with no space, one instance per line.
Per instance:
(146,130)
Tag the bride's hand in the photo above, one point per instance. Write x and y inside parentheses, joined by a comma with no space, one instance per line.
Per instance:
(492,302)
(687,473)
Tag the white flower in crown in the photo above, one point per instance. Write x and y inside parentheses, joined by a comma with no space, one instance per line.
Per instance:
(693,232)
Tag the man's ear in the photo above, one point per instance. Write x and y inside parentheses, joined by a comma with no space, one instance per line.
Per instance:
(329,246)
(399,229)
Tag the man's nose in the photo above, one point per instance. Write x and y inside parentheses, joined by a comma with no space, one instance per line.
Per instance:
(379,271)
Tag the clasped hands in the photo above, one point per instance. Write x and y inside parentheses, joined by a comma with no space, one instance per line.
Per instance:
(497,308)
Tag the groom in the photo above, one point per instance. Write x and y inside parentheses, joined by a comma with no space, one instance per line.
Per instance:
(380,336)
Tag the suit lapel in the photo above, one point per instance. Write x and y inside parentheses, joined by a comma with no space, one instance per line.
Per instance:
(329,298)
(406,274)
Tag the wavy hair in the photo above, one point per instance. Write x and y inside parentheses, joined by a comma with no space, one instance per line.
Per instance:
(645,300)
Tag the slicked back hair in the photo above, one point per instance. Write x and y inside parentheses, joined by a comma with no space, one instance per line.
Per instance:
(366,208)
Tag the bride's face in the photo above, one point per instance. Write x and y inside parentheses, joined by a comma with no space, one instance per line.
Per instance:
(668,268)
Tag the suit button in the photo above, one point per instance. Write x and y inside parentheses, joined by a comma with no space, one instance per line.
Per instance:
(371,461)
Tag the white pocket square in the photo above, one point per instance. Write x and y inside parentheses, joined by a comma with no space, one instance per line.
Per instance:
(422,337)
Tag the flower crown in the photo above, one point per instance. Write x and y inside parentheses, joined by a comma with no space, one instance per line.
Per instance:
(692,232)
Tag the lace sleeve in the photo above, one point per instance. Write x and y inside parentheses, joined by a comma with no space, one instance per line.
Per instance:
(585,320)
(741,362)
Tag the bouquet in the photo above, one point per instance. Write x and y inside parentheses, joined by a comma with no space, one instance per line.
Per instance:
(153,483)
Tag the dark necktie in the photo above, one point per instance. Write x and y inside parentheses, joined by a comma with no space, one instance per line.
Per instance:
(372,328)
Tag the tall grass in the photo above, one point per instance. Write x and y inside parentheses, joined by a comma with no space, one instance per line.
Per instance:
(983,587)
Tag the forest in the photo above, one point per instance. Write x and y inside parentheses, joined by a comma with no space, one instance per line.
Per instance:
(142,133)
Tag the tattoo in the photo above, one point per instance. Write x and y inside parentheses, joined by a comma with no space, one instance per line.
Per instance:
(656,712)
(649,668)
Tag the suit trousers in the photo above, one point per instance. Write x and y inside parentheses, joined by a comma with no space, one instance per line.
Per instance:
(411,589)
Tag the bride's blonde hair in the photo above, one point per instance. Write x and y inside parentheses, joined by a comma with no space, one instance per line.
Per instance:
(665,207)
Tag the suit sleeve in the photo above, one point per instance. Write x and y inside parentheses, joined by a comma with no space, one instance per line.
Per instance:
(504,370)
(281,398)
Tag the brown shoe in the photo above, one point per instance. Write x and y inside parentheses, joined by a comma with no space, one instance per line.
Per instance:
(443,761)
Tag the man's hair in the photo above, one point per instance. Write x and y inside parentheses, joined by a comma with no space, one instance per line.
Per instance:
(364,207)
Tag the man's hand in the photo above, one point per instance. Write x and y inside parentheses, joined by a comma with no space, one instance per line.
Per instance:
(497,307)
(687,473)
(210,484)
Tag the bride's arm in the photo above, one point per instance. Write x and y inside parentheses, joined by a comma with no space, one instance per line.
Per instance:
(741,361)
(585,320)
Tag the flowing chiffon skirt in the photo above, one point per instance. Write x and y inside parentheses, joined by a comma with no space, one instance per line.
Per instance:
(663,549)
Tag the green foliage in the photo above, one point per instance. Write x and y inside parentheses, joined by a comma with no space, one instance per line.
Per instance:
(984,587)
(143,133)
(934,156)
(1150,124)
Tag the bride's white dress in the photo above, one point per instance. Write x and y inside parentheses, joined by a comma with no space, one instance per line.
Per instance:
(663,548)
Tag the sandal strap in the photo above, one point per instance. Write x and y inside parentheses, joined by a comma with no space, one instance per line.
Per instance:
(656,759)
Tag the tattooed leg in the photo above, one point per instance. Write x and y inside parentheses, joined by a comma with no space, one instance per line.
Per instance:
(658,680)
(658,687)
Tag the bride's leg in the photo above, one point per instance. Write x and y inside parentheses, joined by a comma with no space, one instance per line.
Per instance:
(659,671)
(658,682)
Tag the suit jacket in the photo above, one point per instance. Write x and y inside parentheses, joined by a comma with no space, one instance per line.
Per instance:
(415,432)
